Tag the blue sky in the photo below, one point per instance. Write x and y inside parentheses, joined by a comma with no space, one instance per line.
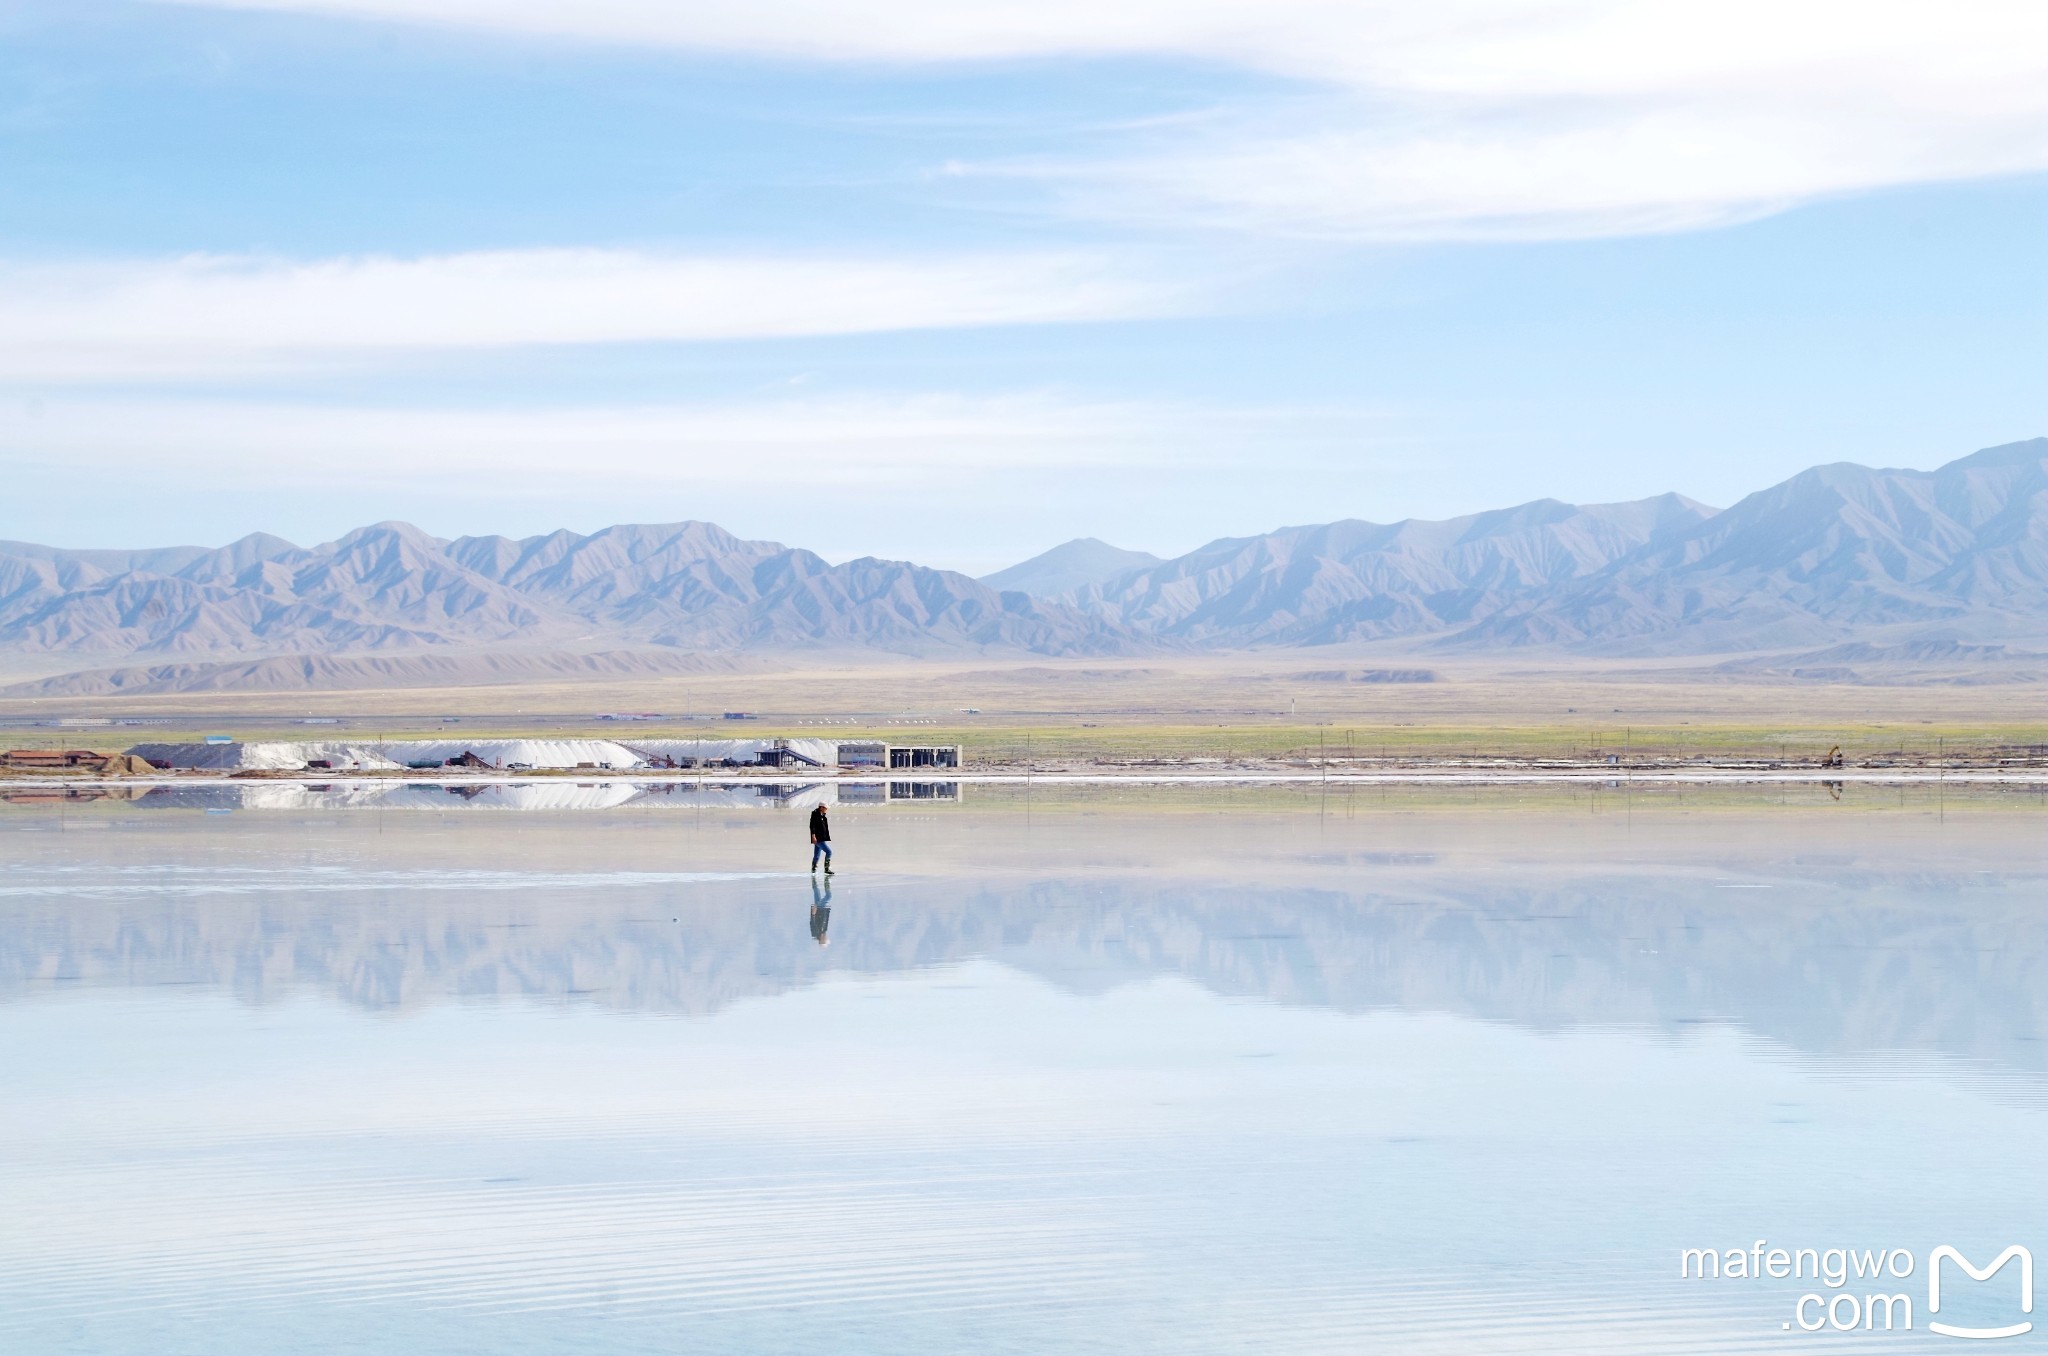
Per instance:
(957,283)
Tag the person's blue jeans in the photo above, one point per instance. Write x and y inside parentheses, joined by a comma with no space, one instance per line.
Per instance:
(821,848)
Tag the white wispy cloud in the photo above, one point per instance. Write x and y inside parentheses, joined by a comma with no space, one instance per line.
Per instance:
(1562,172)
(208,314)
(931,442)
(1453,119)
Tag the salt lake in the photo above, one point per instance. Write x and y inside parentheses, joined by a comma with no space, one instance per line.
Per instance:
(376,1068)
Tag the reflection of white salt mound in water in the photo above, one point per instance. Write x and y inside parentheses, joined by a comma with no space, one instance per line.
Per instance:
(300,796)
(750,796)
(266,796)
(512,796)
(552,795)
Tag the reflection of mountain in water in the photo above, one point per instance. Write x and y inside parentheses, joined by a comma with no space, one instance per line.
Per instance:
(1818,958)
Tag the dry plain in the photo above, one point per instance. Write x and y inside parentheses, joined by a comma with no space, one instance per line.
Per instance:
(1245,710)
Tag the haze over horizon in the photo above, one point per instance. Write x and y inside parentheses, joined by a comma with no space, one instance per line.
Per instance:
(957,285)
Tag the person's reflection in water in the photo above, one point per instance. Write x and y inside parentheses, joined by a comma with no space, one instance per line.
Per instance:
(821,910)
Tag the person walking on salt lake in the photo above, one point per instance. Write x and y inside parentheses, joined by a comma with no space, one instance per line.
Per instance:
(821,839)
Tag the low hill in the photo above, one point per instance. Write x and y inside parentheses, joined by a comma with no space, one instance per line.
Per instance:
(308,673)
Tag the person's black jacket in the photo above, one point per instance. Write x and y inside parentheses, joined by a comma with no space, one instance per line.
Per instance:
(821,831)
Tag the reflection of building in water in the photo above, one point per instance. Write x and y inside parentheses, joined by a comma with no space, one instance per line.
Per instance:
(58,795)
(924,790)
(878,793)
(784,796)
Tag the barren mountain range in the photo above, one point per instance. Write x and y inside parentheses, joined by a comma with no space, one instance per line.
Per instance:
(691,586)
(1952,561)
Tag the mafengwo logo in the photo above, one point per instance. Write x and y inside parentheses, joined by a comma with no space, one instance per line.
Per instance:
(1857,1287)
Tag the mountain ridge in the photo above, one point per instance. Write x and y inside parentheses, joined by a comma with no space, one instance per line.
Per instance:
(1356,580)
(1069,566)
(1899,561)
(1834,553)
(390,586)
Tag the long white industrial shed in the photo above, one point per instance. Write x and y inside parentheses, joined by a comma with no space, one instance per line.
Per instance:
(552,754)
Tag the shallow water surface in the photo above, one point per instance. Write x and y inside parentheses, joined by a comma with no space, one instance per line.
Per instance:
(1180,1071)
